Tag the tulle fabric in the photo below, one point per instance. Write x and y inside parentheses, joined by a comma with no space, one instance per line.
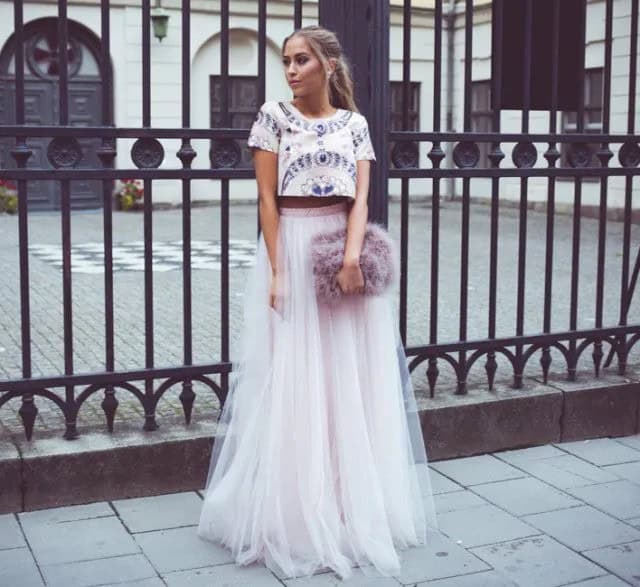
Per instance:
(318,459)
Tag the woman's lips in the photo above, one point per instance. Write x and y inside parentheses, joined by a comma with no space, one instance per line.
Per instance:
(294,82)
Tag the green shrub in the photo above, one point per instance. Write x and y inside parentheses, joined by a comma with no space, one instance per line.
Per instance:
(8,197)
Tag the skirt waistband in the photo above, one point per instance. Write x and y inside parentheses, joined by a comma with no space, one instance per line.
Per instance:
(315,211)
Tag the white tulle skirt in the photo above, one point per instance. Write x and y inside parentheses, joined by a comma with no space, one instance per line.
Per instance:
(318,460)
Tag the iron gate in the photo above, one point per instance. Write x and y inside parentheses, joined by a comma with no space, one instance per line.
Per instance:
(452,155)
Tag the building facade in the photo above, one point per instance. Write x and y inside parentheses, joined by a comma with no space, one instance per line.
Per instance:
(86,87)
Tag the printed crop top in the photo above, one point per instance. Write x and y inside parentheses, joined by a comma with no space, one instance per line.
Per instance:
(316,156)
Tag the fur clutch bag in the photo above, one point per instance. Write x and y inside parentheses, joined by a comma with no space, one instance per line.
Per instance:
(377,261)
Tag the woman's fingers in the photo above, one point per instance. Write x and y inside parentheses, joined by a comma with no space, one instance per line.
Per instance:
(351,283)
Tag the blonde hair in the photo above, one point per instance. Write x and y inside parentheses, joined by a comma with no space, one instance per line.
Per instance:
(325,46)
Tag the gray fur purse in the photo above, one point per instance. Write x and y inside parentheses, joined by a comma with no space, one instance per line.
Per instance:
(377,261)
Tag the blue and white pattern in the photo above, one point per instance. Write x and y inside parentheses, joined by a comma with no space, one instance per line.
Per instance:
(362,142)
(322,126)
(316,157)
(271,138)
(324,185)
(320,158)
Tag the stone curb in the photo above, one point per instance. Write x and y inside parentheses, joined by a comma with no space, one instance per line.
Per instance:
(98,466)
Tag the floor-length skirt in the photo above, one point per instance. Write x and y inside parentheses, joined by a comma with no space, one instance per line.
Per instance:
(318,459)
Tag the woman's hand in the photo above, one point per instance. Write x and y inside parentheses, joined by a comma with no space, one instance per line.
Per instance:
(276,291)
(350,278)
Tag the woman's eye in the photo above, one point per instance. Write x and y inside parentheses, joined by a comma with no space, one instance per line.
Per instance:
(299,61)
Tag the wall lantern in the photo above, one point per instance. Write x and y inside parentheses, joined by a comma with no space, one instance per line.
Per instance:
(160,21)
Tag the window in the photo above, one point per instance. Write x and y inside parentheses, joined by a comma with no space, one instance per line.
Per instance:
(482,116)
(243,105)
(397,108)
(592,116)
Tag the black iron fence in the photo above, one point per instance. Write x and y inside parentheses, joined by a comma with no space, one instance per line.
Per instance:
(66,148)
(520,349)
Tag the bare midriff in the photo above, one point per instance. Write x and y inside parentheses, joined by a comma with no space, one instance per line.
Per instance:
(309,201)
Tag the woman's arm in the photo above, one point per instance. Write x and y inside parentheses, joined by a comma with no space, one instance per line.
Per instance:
(266,167)
(350,276)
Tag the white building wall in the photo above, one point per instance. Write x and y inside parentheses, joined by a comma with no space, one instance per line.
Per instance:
(126,53)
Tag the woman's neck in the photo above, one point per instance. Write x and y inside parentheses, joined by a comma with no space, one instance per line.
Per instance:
(314,106)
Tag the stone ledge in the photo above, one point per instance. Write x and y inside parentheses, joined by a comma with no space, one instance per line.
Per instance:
(10,477)
(51,471)
(486,421)
(100,466)
(593,408)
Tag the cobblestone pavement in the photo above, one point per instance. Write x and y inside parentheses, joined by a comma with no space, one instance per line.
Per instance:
(88,293)
(547,516)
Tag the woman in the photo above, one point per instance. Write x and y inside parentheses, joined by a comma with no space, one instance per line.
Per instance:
(318,460)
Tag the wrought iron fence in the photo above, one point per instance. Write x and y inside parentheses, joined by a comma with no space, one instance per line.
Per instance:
(520,348)
(66,146)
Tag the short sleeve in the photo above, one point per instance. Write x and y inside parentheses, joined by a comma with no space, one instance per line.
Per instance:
(361,139)
(265,131)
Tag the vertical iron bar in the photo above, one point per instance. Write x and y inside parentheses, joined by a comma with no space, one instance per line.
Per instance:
(186,186)
(435,155)
(577,207)
(404,182)
(435,201)
(604,161)
(404,252)
(21,153)
(107,153)
(626,234)
(107,218)
(224,203)
(451,87)
(65,205)
(466,185)
(262,72)
(150,421)
(297,14)
(496,92)
(524,194)
(262,50)
(551,185)
(552,158)
(63,74)
(186,155)
(224,264)
(146,64)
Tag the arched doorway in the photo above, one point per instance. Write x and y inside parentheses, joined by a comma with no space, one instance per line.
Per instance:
(42,103)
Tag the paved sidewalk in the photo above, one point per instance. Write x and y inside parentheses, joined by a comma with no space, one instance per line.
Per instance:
(563,514)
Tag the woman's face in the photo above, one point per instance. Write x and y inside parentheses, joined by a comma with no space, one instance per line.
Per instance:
(304,71)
